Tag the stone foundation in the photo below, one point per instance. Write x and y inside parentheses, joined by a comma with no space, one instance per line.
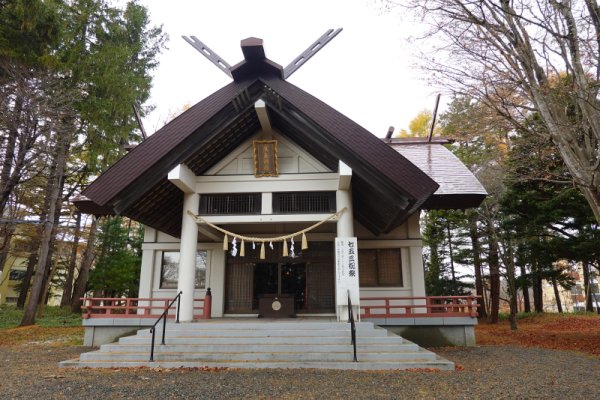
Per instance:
(432,332)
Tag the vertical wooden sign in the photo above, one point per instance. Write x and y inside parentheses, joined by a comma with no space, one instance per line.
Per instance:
(265,158)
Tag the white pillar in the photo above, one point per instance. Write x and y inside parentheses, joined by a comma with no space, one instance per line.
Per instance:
(187,257)
(345,224)
(345,228)
(343,196)
(417,270)
(147,271)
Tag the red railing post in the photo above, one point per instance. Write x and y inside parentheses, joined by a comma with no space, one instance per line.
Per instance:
(207,304)
(87,307)
(473,312)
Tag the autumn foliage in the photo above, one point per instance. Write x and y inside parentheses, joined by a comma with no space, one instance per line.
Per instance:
(551,331)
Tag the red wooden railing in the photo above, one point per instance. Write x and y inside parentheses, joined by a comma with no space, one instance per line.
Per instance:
(370,307)
(432,306)
(104,307)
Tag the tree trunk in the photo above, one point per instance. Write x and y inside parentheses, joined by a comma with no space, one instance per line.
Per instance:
(84,270)
(538,294)
(5,190)
(536,286)
(26,282)
(31,263)
(474,234)
(526,301)
(51,266)
(67,294)
(494,263)
(450,253)
(8,229)
(557,295)
(589,306)
(37,287)
(512,286)
(7,183)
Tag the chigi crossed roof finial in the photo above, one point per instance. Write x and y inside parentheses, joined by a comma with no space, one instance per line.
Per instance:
(253,50)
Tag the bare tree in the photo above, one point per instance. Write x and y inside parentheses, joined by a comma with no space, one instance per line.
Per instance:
(48,227)
(522,57)
(68,289)
(24,107)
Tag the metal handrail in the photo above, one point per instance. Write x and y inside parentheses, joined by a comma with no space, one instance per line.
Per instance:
(352,326)
(164,318)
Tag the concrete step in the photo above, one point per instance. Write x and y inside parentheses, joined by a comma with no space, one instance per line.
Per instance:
(250,348)
(193,340)
(264,344)
(440,364)
(262,333)
(265,325)
(259,356)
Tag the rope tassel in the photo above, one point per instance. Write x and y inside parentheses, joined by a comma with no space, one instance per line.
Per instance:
(304,242)
(242,249)
(225,243)
(262,251)
(285,249)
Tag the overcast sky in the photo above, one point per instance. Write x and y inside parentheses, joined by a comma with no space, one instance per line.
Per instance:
(366,72)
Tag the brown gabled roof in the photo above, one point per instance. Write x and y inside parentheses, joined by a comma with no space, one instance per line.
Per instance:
(387,187)
(354,144)
(151,151)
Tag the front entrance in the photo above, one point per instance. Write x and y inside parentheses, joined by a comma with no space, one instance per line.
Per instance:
(280,279)
(306,280)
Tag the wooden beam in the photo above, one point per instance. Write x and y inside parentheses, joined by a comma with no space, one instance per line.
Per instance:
(183,177)
(263,116)
(345,176)
(210,233)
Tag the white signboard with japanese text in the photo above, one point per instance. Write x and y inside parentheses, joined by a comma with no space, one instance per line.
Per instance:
(346,276)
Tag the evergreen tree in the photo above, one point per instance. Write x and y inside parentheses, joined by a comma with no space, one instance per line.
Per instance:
(102,56)
(117,269)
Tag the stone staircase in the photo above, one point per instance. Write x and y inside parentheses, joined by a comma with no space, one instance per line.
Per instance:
(295,343)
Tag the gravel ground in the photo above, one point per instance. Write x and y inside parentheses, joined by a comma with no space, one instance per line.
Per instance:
(486,372)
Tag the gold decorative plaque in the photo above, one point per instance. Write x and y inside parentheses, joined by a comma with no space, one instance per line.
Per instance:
(265,158)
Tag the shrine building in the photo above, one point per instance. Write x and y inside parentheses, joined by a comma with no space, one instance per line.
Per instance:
(280,204)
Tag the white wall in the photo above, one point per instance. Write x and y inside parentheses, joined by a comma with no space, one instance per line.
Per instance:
(291,158)
(405,237)
(155,243)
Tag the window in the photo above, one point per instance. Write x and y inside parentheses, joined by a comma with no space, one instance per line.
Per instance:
(303,202)
(230,203)
(16,275)
(170,269)
(380,267)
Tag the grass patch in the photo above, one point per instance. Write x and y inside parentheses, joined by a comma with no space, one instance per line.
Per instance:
(35,334)
(10,317)
(55,326)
